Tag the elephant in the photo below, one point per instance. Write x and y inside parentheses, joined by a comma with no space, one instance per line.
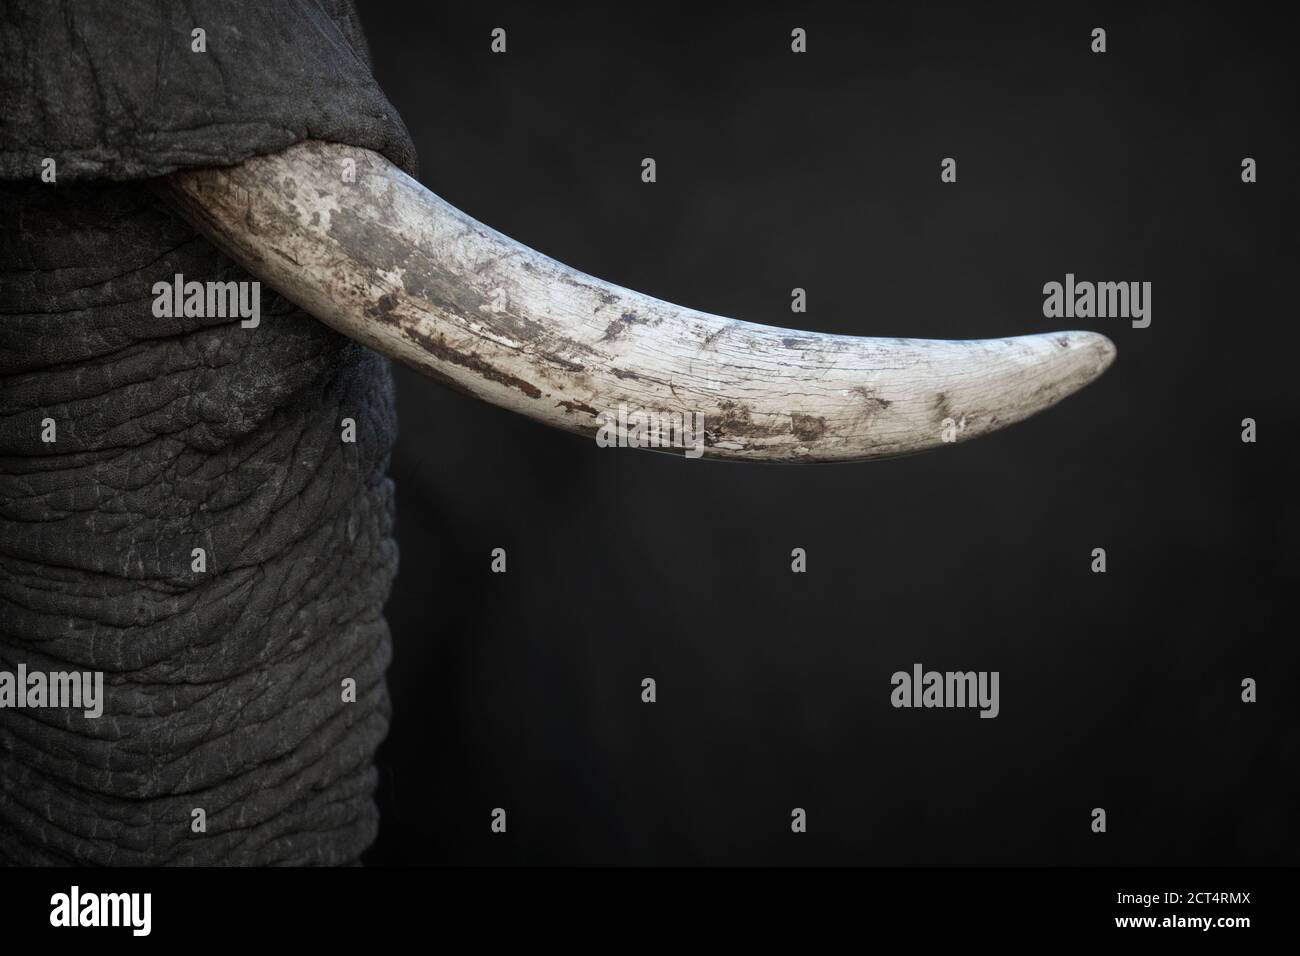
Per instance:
(196,505)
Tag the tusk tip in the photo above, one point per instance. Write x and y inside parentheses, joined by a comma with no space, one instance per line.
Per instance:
(1094,350)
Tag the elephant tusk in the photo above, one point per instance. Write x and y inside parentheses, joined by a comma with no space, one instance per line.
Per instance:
(353,240)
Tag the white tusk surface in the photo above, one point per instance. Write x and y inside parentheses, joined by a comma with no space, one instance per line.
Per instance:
(388,263)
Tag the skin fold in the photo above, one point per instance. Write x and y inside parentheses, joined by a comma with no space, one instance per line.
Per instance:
(223,687)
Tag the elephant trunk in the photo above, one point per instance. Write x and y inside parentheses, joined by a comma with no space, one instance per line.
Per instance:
(180,512)
(183,507)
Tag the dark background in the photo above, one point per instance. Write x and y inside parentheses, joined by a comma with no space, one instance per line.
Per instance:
(821,170)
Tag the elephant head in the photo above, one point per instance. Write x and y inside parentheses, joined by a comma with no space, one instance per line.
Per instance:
(195,504)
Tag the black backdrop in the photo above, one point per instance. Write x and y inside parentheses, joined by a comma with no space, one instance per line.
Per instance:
(821,170)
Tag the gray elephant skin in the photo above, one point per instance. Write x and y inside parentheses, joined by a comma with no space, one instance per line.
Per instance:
(222,686)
